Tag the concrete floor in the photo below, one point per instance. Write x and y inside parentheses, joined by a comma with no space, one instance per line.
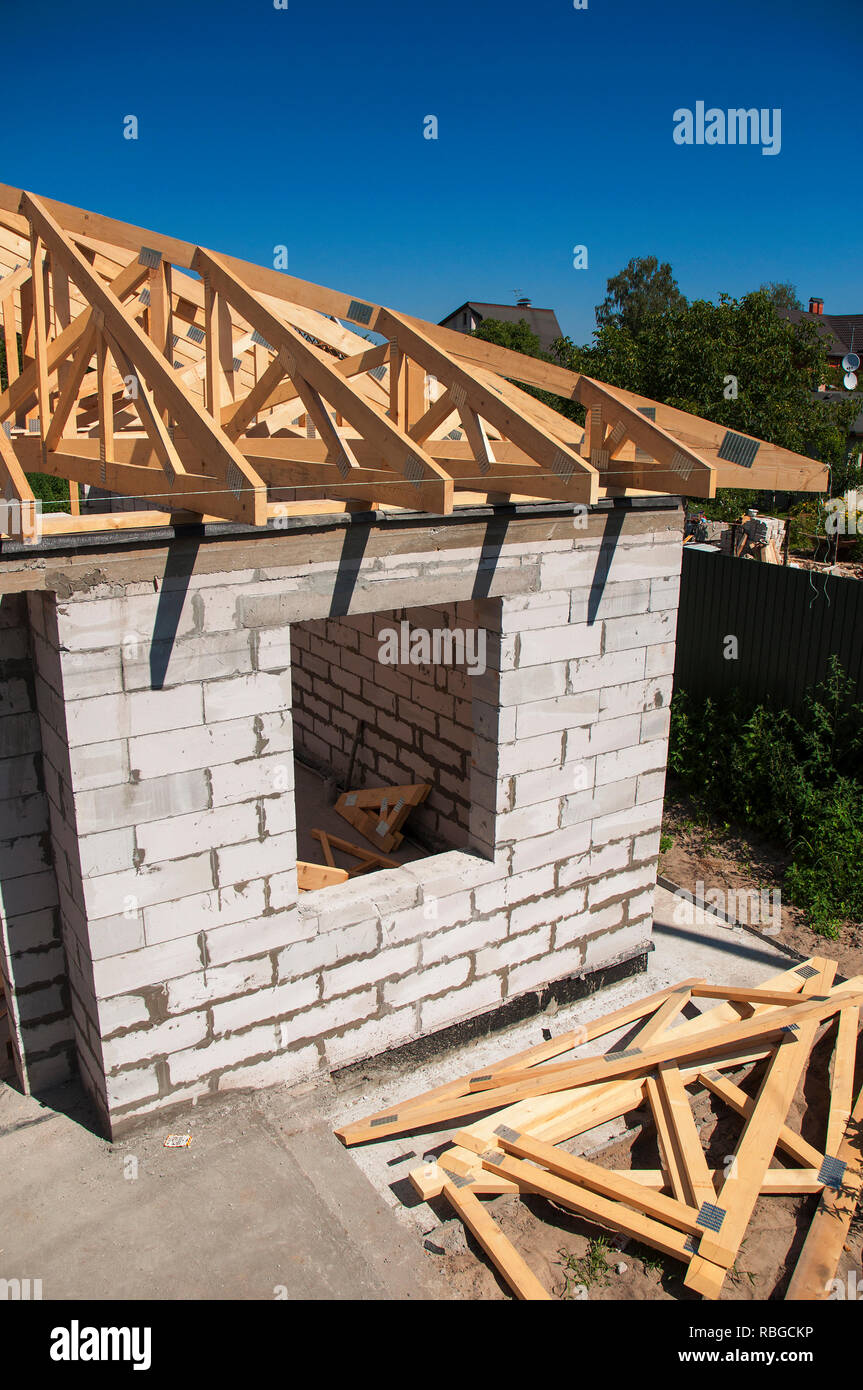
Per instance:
(266,1203)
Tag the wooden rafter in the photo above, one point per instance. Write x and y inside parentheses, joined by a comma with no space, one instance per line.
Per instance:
(249,379)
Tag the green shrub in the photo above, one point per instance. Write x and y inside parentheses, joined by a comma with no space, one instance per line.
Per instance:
(796,779)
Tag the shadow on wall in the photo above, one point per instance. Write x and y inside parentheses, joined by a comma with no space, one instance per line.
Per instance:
(173,594)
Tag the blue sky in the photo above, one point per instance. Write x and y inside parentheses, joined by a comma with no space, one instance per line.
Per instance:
(304,127)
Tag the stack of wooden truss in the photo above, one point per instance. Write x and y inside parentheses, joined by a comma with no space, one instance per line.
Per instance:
(685,1210)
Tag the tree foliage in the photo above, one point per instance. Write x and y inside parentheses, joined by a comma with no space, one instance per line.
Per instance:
(782,294)
(641,291)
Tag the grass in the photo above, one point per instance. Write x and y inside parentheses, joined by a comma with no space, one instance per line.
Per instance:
(585,1270)
(796,779)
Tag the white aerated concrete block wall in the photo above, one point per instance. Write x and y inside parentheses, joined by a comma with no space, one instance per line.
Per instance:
(207,972)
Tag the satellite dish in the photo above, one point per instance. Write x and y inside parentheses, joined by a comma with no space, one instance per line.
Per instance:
(850,362)
(850,381)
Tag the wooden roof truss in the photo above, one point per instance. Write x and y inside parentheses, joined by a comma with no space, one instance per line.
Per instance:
(238,393)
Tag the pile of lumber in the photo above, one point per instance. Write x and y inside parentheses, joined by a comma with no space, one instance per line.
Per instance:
(696,1215)
(378,813)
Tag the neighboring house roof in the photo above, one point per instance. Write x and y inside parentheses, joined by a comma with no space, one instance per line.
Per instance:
(836,328)
(542,322)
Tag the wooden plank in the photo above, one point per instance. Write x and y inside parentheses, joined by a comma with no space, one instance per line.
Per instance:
(312,876)
(590,1204)
(822,1249)
(793,1144)
(23,389)
(357,1131)
(400,1115)
(607,1182)
(500,1251)
(565,1075)
(672,1165)
(739,1192)
(842,1081)
(698,1184)
(664,1015)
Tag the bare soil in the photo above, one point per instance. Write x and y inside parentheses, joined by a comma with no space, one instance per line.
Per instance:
(727,856)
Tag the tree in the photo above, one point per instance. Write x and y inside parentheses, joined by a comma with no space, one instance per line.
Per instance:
(518,337)
(782,294)
(737,363)
(641,290)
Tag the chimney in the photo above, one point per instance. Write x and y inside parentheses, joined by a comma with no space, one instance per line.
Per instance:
(522,304)
(816,306)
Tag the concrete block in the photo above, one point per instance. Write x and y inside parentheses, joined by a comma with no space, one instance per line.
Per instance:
(388,962)
(639,631)
(628,762)
(211,656)
(534,683)
(651,786)
(371,1038)
(627,941)
(655,724)
(222,982)
(247,695)
(100,765)
(198,1062)
(618,885)
(178,836)
(251,938)
(423,984)
(182,750)
(113,936)
(107,853)
(273,1003)
(133,890)
(547,716)
(19,734)
(534,883)
(562,644)
(86,624)
(144,1044)
(531,915)
(460,1003)
(127,715)
(513,951)
(152,965)
(540,850)
(285,1068)
(327,1018)
(615,668)
(123,1011)
(127,1087)
(205,911)
(558,965)
(319,952)
(659,660)
(458,941)
(256,859)
(635,820)
(153,800)
(550,784)
(266,775)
